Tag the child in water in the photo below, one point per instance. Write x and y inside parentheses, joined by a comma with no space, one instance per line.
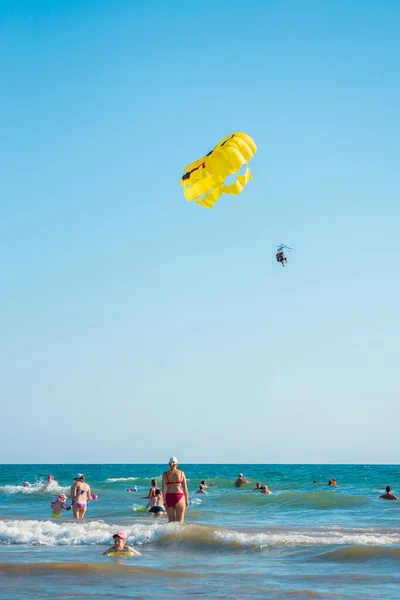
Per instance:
(201,489)
(120,546)
(59,505)
(155,504)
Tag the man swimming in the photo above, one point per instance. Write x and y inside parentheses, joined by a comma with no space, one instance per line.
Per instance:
(240,480)
(389,495)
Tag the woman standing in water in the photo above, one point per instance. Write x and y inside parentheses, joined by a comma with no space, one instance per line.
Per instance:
(81,495)
(153,489)
(175,492)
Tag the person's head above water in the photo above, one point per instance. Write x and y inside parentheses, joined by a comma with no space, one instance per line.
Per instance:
(158,492)
(119,539)
(388,489)
(240,476)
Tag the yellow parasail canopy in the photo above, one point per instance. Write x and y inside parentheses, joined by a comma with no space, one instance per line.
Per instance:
(204,180)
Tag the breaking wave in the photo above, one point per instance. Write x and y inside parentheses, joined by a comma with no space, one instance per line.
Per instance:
(49,533)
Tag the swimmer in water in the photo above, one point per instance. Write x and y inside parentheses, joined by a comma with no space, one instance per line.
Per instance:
(156,505)
(258,486)
(389,495)
(265,490)
(134,489)
(206,485)
(59,505)
(51,480)
(26,484)
(152,490)
(332,482)
(81,495)
(201,489)
(240,480)
(120,546)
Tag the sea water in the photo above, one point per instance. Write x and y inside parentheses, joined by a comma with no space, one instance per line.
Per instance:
(307,540)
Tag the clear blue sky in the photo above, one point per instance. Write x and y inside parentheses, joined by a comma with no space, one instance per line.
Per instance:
(135,325)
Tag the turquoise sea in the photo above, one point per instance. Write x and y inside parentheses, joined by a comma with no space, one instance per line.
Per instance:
(307,540)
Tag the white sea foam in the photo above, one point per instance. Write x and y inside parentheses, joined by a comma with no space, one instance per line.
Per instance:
(35,488)
(312,538)
(50,533)
(115,479)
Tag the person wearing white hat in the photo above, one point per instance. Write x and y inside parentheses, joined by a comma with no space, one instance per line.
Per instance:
(175,492)
(81,495)
(240,480)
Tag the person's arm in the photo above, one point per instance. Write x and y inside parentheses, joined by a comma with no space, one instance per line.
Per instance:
(164,486)
(133,550)
(73,493)
(185,489)
(108,551)
(89,494)
(394,497)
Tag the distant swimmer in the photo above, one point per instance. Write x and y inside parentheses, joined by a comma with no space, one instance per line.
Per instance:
(258,486)
(265,490)
(59,505)
(132,489)
(332,482)
(26,484)
(120,545)
(155,504)
(388,495)
(206,485)
(51,480)
(201,489)
(240,480)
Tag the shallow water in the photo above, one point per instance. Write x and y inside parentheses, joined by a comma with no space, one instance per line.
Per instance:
(306,541)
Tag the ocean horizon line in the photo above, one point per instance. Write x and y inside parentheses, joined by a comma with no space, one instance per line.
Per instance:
(384,464)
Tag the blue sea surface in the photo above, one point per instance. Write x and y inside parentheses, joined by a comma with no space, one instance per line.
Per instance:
(305,540)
